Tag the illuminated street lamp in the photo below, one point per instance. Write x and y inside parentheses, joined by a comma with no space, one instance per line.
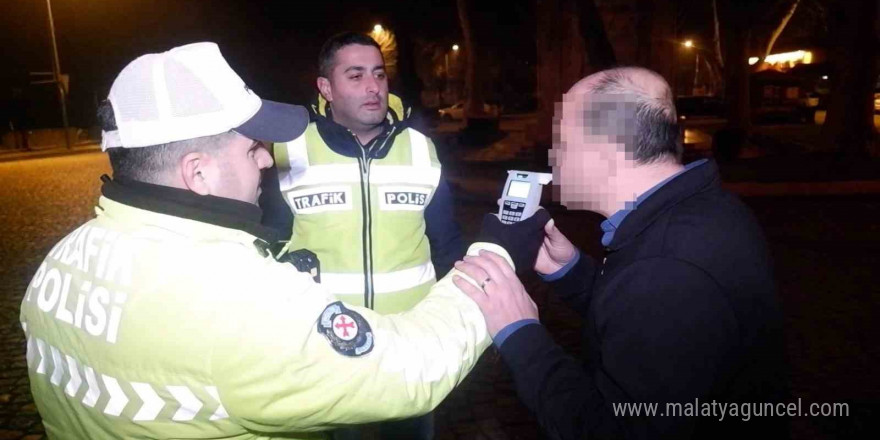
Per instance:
(377,29)
(455,48)
(689,44)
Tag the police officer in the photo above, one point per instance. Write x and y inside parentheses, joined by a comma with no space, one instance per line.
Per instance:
(167,315)
(365,187)
(366,191)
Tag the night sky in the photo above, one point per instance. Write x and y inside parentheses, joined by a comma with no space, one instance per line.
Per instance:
(272,44)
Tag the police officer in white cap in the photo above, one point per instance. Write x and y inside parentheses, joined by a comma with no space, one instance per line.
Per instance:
(167,315)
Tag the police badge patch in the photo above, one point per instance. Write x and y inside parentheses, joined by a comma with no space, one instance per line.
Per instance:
(348,331)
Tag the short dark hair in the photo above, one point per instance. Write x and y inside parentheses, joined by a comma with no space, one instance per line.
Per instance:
(656,135)
(327,55)
(149,164)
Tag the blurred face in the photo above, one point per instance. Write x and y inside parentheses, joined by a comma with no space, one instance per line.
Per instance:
(237,169)
(588,150)
(357,88)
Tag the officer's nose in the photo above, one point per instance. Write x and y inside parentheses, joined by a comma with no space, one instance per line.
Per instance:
(372,85)
(264,158)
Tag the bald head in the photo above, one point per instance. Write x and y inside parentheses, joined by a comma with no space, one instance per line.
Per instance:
(630,106)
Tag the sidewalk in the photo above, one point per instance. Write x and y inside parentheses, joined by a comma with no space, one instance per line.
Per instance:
(13,155)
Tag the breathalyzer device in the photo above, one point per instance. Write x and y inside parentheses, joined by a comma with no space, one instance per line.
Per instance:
(522,195)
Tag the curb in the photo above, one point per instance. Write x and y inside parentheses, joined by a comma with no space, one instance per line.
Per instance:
(53,152)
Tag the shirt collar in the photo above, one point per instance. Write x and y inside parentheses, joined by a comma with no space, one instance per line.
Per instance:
(609,226)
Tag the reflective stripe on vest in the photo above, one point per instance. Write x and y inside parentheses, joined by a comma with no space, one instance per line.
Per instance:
(136,401)
(302,174)
(353,283)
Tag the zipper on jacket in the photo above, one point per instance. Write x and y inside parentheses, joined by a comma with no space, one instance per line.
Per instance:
(364,161)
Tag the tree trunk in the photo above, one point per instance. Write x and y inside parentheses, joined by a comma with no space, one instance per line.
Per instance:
(592,28)
(550,36)
(735,34)
(849,123)
(656,45)
(473,86)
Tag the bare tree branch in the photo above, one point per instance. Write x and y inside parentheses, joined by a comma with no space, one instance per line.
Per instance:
(716,38)
(778,31)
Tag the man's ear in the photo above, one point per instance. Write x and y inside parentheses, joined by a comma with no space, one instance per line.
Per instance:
(195,172)
(325,89)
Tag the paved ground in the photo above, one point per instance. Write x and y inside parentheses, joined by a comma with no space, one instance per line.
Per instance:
(827,252)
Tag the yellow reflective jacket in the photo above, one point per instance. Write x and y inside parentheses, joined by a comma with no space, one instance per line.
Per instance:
(146,324)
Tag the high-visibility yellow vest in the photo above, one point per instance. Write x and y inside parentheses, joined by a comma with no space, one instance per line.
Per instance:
(363,217)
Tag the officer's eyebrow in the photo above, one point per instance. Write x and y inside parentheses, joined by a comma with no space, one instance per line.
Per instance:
(363,69)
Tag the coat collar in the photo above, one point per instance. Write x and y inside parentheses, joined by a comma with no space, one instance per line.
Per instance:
(697,180)
(342,141)
(218,211)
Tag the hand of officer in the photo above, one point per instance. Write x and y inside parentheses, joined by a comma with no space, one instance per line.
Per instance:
(555,252)
(502,299)
(521,240)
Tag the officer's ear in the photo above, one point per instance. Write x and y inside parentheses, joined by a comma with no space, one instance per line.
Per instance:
(197,172)
(325,89)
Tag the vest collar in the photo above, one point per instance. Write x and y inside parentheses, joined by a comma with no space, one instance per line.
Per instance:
(218,211)
(342,141)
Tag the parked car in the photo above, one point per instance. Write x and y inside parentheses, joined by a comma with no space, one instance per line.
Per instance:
(456,111)
(691,107)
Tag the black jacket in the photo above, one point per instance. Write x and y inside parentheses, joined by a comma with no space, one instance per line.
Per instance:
(684,307)
(443,232)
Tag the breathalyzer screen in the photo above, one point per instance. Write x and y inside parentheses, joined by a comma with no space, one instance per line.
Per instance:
(518,189)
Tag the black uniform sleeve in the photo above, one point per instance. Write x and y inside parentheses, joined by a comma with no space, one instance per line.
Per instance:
(276,213)
(442,230)
(666,335)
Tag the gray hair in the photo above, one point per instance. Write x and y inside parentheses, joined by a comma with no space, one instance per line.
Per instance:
(626,112)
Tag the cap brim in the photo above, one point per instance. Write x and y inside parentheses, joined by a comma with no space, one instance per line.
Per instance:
(276,122)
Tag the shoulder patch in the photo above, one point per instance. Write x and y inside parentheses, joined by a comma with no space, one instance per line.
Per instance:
(348,332)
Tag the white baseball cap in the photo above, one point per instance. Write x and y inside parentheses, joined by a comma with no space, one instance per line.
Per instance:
(189,92)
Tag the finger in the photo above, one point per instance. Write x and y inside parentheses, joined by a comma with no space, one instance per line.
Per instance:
(478,295)
(492,269)
(554,234)
(477,273)
(499,261)
(550,226)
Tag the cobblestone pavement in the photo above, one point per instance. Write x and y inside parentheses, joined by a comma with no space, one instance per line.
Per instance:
(41,200)
(827,253)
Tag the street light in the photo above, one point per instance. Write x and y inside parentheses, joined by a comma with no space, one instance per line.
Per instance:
(377,28)
(56,73)
(455,48)
(689,44)
(446,56)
